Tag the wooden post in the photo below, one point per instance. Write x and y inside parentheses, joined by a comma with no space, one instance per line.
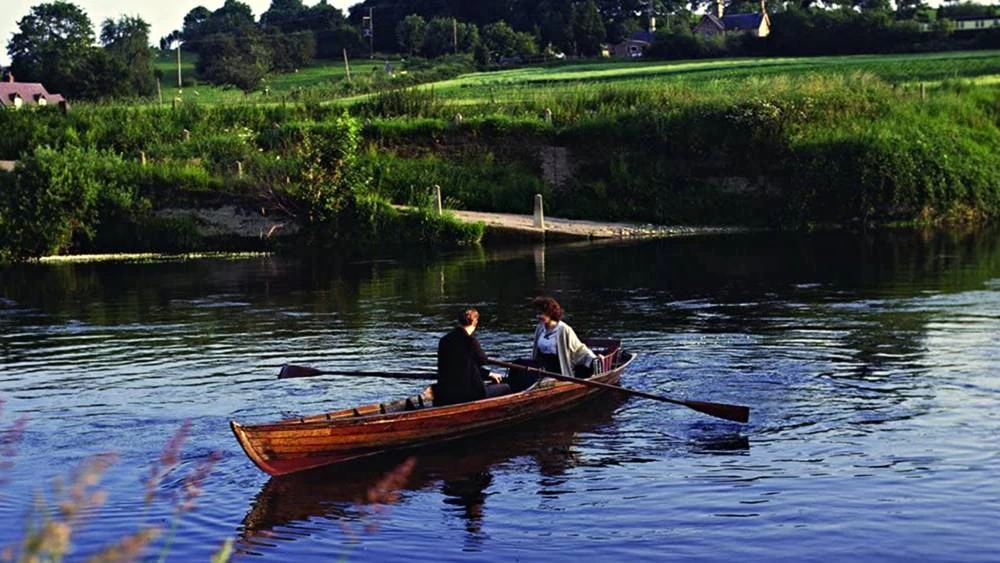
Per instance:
(142,158)
(159,92)
(437,200)
(347,66)
(923,91)
(239,169)
(539,213)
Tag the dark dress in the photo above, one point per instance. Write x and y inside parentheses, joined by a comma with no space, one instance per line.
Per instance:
(460,359)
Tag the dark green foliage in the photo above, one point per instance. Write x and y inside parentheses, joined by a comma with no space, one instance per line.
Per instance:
(410,33)
(477,181)
(239,58)
(502,42)
(51,42)
(90,193)
(291,50)
(127,41)
(54,198)
(588,32)
(54,45)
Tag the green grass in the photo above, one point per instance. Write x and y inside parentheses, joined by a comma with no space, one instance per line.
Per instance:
(321,77)
(517,84)
(325,80)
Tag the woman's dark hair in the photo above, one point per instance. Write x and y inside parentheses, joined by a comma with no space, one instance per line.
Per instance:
(467,317)
(549,307)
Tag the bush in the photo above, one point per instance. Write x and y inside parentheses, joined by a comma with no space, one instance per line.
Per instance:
(54,198)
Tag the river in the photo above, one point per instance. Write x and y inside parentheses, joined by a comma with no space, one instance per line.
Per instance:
(870,363)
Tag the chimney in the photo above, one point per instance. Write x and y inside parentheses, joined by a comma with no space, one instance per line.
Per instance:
(719,8)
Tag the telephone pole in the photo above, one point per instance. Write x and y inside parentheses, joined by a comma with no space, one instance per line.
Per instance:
(371,33)
(454,33)
(178,65)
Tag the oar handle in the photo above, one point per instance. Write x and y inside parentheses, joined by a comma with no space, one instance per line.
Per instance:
(737,413)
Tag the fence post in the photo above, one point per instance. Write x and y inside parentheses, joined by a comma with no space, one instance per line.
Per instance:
(239,169)
(142,158)
(923,91)
(437,200)
(539,213)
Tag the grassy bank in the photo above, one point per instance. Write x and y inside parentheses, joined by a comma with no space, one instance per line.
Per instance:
(783,150)
(122,179)
(777,143)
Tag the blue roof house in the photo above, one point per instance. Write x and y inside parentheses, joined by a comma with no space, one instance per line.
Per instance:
(718,23)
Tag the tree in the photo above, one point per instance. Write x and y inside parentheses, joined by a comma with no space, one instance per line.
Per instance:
(242,60)
(908,9)
(501,40)
(193,22)
(410,33)
(588,29)
(286,15)
(333,33)
(440,37)
(52,43)
(127,41)
(292,50)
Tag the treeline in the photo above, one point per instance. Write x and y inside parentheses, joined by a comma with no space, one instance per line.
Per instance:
(235,48)
(808,32)
(579,27)
(55,45)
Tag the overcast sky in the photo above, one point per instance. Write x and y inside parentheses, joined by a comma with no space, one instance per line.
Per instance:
(163,16)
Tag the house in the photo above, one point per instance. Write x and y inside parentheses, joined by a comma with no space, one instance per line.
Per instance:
(635,45)
(977,23)
(16,95)
(755,24)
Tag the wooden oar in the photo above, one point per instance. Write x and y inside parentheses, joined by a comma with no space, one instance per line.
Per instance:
(289,371)
(735,413)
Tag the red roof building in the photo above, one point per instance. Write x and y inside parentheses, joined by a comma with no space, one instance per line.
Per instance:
(16,95)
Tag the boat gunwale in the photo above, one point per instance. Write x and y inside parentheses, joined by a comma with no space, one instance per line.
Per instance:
(527,395)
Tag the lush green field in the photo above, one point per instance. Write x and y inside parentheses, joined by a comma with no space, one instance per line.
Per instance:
(322,74)
(523,83)
(326,80)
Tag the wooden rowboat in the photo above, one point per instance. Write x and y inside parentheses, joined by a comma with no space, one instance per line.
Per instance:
(307,442)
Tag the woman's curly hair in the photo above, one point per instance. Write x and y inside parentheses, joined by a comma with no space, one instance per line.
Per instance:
(549,307)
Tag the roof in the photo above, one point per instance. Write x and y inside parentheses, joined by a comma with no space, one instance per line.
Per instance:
(30,92)
(646,36)
(975,18)
(712,19)
(742,21)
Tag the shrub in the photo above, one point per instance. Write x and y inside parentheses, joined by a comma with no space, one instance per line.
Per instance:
(54,199)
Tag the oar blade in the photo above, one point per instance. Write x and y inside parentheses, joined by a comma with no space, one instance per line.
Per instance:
(736,413)
(289,371)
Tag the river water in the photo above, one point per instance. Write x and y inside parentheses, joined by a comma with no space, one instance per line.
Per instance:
(870,363)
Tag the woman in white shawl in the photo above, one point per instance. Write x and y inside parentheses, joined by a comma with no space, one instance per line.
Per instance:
(557,348)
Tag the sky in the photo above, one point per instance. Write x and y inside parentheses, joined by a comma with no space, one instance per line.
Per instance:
(163,16)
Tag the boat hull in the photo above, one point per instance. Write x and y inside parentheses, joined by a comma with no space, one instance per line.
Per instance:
(315,441)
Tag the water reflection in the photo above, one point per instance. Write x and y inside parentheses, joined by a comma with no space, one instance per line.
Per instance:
(869,361)
(287,507)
